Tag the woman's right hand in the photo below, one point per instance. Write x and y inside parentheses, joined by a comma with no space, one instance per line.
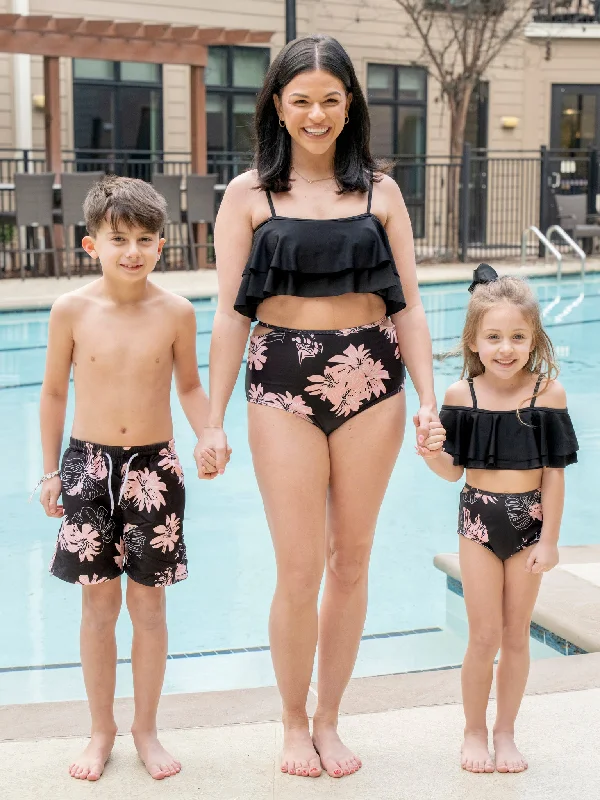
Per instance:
(212,453)
(51,491)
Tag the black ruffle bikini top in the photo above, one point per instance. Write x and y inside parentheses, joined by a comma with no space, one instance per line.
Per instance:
(319,258)
(481,439)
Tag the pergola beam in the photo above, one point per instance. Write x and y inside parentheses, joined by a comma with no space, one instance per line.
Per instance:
(43,35)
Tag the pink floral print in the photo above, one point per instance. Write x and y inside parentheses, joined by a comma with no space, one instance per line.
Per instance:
(181,572)
(354,380)
(288,402)
(307,346)
(256,353)
(167,534)
(85,580)
(121,553)
(475,530)
(255,393)
(389,330)
(145,488)
(85,541)
(171,461)
(83,476)
(535,511)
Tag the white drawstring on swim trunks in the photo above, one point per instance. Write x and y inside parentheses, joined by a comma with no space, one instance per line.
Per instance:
(123,481)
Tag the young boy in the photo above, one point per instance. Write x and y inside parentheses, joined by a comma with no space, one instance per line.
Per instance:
(120,478)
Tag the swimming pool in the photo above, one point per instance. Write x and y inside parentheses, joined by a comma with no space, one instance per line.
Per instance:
(224,605)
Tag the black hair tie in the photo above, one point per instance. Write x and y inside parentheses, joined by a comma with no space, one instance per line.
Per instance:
(482,275)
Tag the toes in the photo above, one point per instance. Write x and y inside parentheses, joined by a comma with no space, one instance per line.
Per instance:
(502,766)
(302,768)
(489,766)
(336,771)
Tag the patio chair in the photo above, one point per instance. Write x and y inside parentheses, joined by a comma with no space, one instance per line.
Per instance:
(74,188)
(170,188)
(574,219)
(200,208)
(34,200)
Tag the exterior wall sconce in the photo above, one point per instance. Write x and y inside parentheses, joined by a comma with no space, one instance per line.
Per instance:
(509,123)
(38,101)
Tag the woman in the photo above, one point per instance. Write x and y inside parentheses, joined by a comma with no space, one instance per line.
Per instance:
(317,246)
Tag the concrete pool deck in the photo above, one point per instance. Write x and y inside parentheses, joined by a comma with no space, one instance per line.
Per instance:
(40,293)
(406,729)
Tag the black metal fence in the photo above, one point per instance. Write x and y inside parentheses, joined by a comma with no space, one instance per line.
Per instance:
(467,208)
(572,11)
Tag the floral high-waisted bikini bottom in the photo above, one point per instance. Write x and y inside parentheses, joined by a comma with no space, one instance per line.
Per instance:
(503,523)
(325,377)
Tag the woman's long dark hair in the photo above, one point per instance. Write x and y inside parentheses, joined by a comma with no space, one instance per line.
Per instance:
(353,162)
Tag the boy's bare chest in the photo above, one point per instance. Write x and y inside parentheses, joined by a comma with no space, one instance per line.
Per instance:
(124,346)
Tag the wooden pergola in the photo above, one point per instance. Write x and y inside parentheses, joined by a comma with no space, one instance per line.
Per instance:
(75,37)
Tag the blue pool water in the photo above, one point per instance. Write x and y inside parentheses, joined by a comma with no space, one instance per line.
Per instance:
(225,603)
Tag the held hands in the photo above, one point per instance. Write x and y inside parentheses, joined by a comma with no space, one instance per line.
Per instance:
(212,453)
(51,491)
(542,557)
(430,433)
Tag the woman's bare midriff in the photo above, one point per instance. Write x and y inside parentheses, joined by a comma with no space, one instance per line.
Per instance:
(504,481)
(321,313)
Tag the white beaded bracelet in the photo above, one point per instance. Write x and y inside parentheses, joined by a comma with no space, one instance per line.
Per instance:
(45,477)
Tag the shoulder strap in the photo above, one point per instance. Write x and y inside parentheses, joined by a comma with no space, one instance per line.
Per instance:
(271,206)
(370,196)
(473,395)
(535,391)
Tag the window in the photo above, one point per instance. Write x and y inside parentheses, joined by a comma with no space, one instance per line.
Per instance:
(398,107)
(397,97)
(118,115)
(233,77)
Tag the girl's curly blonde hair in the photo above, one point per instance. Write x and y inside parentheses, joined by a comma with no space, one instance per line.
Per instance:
(542,359)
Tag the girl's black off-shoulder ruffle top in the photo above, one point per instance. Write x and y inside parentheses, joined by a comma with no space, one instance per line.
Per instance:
(481,439)
(319,258)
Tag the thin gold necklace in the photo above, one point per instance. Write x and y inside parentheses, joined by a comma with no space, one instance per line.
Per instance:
(315,180)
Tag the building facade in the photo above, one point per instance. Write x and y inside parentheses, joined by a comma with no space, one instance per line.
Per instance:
(543,89)
(547,84)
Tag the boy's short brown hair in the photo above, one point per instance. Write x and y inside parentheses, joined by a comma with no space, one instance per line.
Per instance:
(129,201)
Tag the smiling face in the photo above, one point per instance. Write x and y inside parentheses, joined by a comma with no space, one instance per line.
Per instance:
(125,253)
(313,106)
(504,340)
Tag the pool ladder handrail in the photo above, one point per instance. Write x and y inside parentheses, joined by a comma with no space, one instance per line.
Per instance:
(557,255)
(572,244)
(547,245)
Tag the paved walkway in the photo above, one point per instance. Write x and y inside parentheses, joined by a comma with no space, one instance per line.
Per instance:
(408,754)
(35,293)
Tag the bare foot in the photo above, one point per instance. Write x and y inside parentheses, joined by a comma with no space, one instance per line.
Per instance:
(508,758)
(89,766)
(336,759)
(156,759)
(299,757)
(475,756)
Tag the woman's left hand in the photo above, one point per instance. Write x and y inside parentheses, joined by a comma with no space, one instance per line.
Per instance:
(542,558)
(422,419)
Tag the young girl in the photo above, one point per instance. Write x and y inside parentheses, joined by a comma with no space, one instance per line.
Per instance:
(507,424)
